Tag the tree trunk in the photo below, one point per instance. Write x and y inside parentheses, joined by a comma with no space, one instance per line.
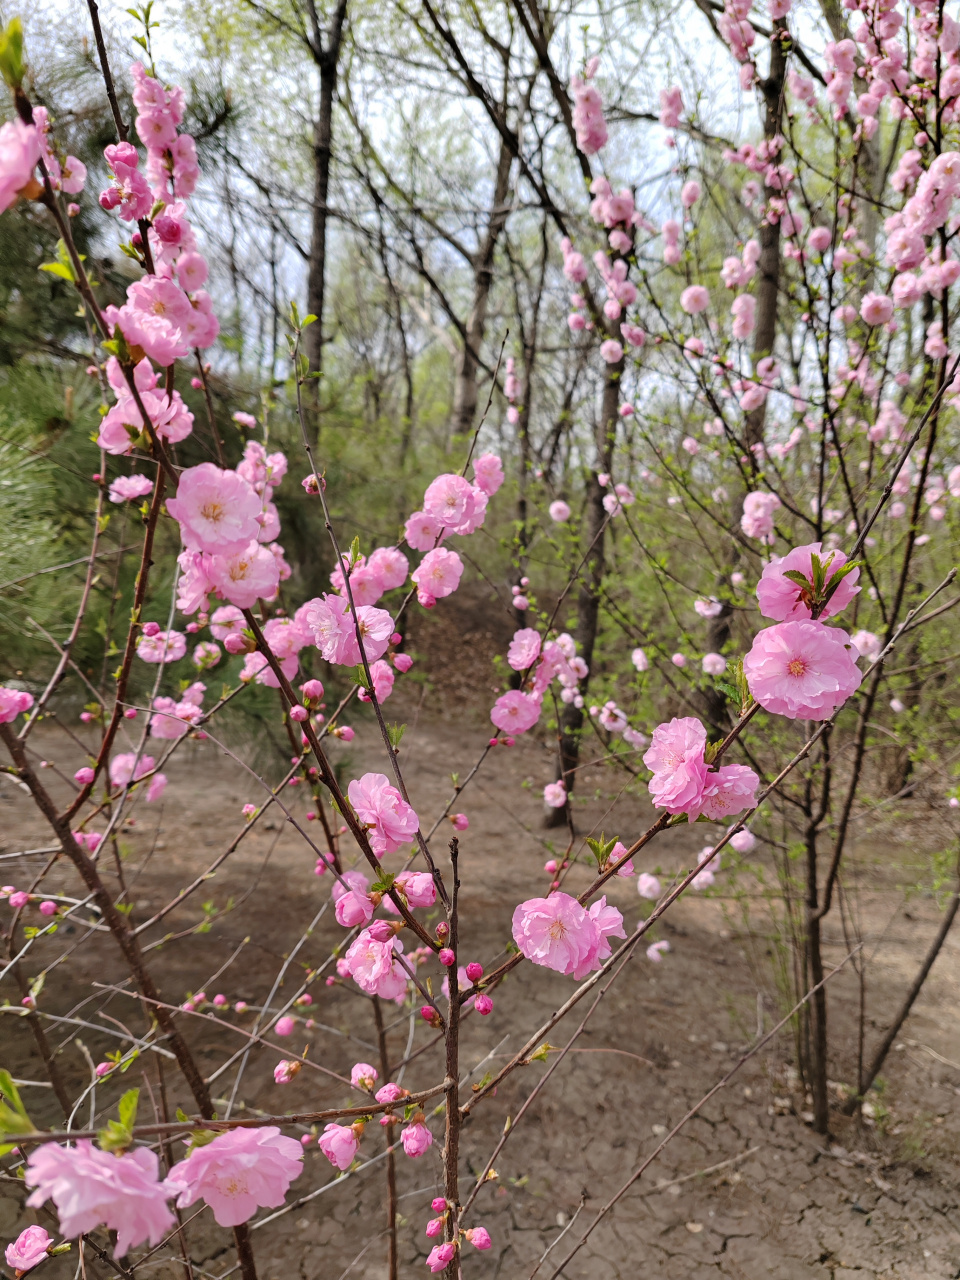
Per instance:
(327,60)
(465,390)
(588,598)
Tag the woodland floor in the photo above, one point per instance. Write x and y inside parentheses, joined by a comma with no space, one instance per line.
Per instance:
(880,1198)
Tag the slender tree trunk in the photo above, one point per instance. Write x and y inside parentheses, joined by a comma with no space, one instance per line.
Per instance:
(327,59)
(465,389)
(887,1043)
(768,285)
(588,598)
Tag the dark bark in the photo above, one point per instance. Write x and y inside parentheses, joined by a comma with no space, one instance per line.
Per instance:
(465,391)
(326,55)
(768,284)
(588,597)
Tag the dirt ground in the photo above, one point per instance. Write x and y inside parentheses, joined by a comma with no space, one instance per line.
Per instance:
(879,1199)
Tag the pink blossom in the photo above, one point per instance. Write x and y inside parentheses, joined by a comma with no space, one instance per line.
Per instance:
(671,105)
(524,649)
(783,600)
(391,822)
(656,950)
(227,621)
(155,787)
(611,351)
(245,577)
(285,1026)
(460,821)
(382,675)
(390,565)
(559,511)
(555,795)
(802,670)
(743,310)
(217,510)
(588,122)
(694,299)
(28,1250)
(93,1188)
(488,473)
(422,531)
(84,776)
(729,790)
(13,702)
(689,194)
(371,964)
(867,644)
(417,1139)
(441,1255)
(238,1173)
(352,902)
(757,518)
(676,759)
(449,499)
(515,712)
(418,887)
(19,153)
(125,488)
(125,768)
(156,317)
(743,841)
(648,886)
(285,1070)
(206,655)
(162,646)
(438,573)
(558,933)
(714,664)
(640,660)
(876,308)
(479,1237)
(19,899)
(335,633)
(363,1075)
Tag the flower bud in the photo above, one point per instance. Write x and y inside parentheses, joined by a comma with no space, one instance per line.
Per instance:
(447,957)
(474,971)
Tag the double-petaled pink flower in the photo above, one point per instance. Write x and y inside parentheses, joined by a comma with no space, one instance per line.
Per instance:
(217,510)
(390,821)
(786,601)
(802,670)
(676,759)
(238,1173)
(558,933)
(93,1188)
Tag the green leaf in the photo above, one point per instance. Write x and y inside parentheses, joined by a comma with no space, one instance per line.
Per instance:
(799,578)
(13,1116)
(58,269)
(307,321)
(602,849)
(127,1108)
(395,733)
(11,53)
(384,884)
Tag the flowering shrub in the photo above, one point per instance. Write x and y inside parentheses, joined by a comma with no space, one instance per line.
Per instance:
(799,413)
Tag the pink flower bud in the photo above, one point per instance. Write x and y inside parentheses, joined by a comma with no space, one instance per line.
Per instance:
(151,628)
(130,713)
(235,643)
(241,1006)
(220,1001)
(460,821)
(381,931)
(428,1013)
(438,1205)
(84,776)
(447,957)
(402,661)
(19,900)
(434,1227)
(285,1026)
(474,971)
(48,908)
(299,713)
(312,689)
(196,383)
(479,1237)
(483,1005)
(85,717)
(102,1068)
